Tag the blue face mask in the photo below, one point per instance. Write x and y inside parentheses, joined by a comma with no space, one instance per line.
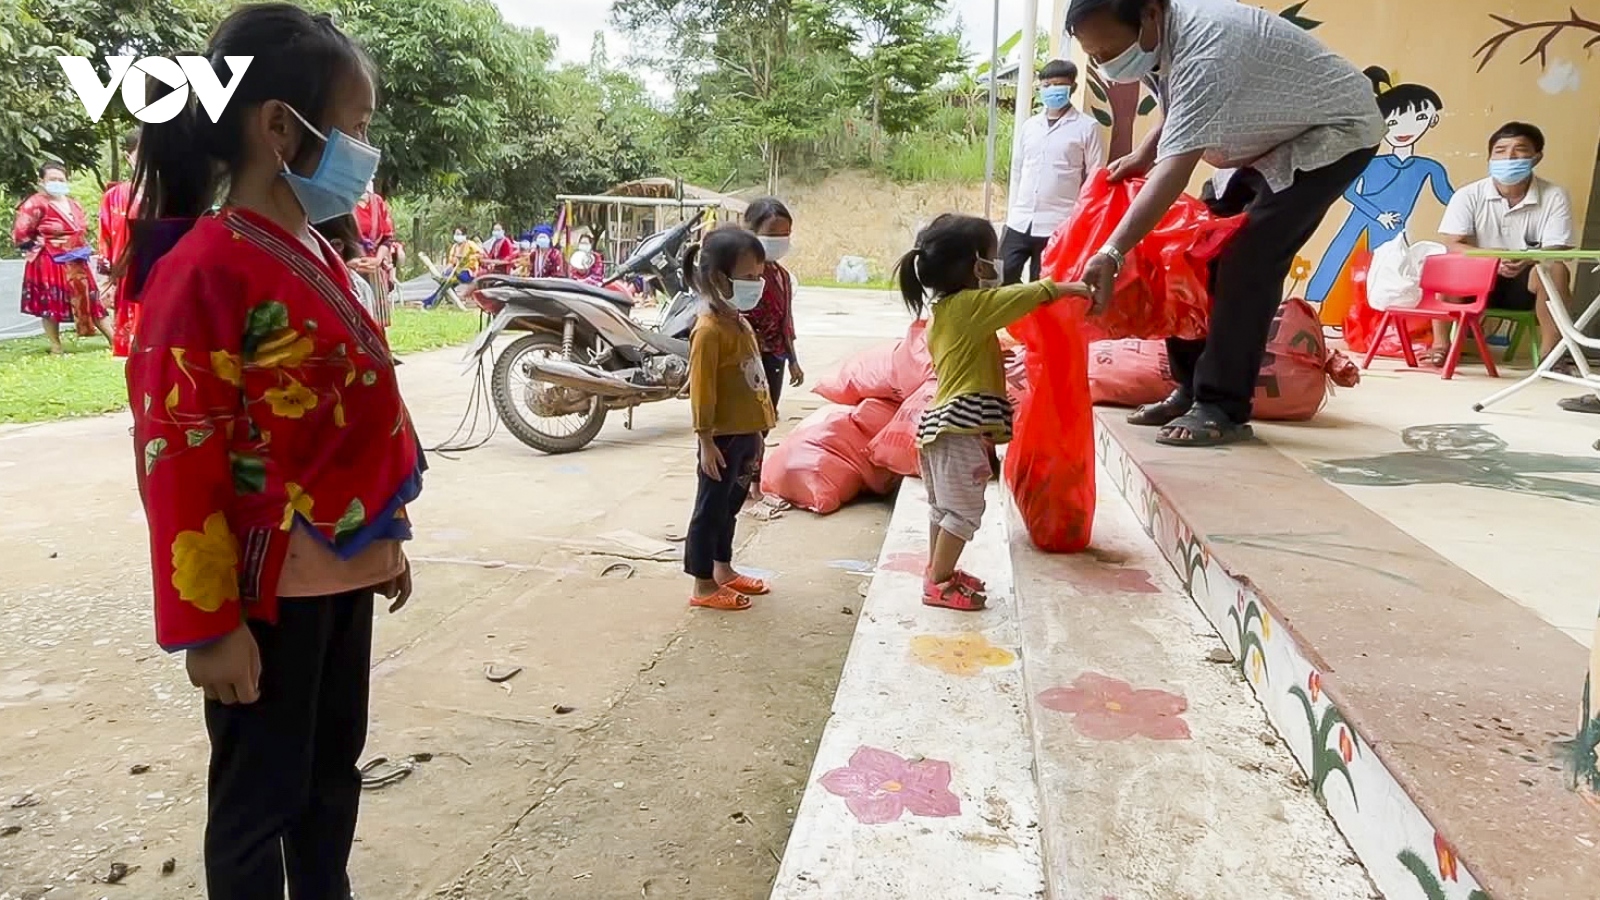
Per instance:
(1132,64)
(341,178)
(1511,171)
(57,188)
(542,241)
(1056,97)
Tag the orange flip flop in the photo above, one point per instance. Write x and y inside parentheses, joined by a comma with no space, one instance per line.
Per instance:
(726,599)
(750,586)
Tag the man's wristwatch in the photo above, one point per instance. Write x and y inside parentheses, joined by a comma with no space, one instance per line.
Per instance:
(1112,253)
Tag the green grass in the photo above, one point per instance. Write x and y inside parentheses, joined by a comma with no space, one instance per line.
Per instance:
(87,381)
(876,284)
(38,387)
(416,330)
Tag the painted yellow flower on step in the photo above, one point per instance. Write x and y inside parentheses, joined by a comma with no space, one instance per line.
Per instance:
(205,564)
(1301,270)
(299,503)
(291,402)
(965,655)
(226,366)
(285,348)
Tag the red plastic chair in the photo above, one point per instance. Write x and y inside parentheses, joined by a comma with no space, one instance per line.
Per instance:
(1447,275)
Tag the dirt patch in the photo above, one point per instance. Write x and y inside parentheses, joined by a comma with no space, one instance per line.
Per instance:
(857,214)
(688,787)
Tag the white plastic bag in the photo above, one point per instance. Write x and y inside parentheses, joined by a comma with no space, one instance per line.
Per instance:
(852,270)
(1394,281)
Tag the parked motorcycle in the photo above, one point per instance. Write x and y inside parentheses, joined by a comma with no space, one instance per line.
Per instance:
(583,354)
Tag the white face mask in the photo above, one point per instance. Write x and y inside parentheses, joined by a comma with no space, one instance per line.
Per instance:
(1132,64)
(499,233)
(747,293)
(585,246)
(988,274)
(460,239)
(777,247)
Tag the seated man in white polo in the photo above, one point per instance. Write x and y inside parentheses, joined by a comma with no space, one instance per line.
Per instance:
(1512,209)
(1061,148)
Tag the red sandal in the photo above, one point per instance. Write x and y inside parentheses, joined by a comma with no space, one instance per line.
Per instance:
(724,600)
(953,595)
(968,581)
(749,585)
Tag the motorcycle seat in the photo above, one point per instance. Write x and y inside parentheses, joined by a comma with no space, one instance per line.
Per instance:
(566,286)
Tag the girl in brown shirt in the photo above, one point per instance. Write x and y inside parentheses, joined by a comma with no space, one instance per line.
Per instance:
(732,408)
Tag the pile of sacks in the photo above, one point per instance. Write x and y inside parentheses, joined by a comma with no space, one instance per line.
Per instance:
(1295,377)
(865,440)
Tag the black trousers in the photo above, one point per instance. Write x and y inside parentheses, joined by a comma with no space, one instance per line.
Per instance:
(284,790)
(1019,251)
(1247,279)
(717,505)
(777,367)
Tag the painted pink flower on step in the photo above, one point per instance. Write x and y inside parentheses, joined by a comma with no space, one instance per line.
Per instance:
(879,787)
(1107,709)
(908,563)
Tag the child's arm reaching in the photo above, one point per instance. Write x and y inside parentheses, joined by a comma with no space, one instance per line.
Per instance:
(995,309)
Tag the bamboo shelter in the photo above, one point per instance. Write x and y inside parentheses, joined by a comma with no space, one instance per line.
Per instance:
(628,213)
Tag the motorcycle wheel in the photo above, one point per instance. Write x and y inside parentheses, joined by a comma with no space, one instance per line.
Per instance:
(536,433)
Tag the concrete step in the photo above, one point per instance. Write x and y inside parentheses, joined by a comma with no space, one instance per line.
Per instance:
(1071,742)
(922,787)
(1158,774)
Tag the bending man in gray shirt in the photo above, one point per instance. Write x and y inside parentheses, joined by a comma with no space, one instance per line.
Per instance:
(1289,125)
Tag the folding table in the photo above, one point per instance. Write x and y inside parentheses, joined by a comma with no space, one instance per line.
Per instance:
(1542,260)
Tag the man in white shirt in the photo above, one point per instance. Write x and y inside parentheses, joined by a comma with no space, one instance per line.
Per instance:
(1288,123)
(1512,209)
(1061,147)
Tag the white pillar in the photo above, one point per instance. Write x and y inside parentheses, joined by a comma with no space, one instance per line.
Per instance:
(1058,29)
(1025,71)
(994,116)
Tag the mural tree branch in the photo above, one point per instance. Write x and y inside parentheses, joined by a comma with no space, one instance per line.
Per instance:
(1551,29)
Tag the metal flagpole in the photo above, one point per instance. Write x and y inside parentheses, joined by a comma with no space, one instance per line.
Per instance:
(994,116)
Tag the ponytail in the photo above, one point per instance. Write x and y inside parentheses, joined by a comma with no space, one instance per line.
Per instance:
(911,287)
(1381,80)
(691,261)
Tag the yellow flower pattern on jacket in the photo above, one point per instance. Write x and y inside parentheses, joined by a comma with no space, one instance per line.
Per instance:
(262,395)
(292,401)
(299,503)
(284,348)
(227,367)
(205,564)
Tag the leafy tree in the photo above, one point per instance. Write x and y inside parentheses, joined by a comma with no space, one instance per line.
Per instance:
(584,131)
(898,52)
(36,105)
(451,70)
(753,85)
(41,116)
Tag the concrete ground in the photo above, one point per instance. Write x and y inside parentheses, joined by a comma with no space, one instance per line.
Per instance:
(1511,494)
(643,751)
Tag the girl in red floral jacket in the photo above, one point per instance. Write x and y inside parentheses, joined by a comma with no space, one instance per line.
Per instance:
(275,456)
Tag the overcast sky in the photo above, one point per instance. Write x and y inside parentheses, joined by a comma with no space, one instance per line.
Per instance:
(574,22)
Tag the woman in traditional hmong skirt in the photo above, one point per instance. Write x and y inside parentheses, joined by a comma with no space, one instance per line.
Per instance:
(57,285)
(116,209)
